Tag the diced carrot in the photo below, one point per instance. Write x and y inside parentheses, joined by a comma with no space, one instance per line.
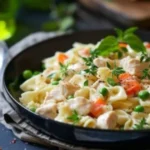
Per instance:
(124,76)
(122,45)
(148,45)
(85,52)
(96,109)
(62,57)
(131,85)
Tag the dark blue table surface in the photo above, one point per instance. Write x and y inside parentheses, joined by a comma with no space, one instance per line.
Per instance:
(7,138)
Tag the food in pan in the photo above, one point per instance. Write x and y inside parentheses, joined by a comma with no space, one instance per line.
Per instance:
(104,85)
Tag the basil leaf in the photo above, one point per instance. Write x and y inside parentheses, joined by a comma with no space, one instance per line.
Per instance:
(119,33)
(135,43)
(130,30)
(107,45)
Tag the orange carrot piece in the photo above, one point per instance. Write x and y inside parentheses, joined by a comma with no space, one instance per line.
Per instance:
(125,76)
(134,88)
(62,57)
(122,45)
(96,109)
(148,45)
(131,85)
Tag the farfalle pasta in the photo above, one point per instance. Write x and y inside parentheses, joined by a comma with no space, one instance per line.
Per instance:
(103,85)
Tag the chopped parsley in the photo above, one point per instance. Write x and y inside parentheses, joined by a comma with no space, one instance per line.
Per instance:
(51,75)
(117,71)
(108,65)
(86,83)
(63,69)
(140,125)
(91,70)
(74,117)
(146,74)
(144,58)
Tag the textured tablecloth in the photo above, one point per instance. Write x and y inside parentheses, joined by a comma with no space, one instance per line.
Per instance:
(12,120)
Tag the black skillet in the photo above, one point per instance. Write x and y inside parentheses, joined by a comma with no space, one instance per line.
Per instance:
(31,58)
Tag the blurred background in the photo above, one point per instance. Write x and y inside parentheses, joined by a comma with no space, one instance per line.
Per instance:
(19,18)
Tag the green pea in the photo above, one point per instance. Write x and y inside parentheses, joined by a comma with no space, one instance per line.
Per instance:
(55,82)
(33,109)
(143,94)
(104,91)
(139,108)
(27,74)
(36,73)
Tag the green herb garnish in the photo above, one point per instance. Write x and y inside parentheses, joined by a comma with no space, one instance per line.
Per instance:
(74,117)
(140,125)
(51,75)
(144,58)
(91,70)
(86,83)
(146,74)
(55,82)
(119,54)
(63,69)
(108,65)
(107,46)
(111,43)
(117,71)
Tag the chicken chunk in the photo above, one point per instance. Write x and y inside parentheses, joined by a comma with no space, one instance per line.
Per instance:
(102,62)
(61,92)
(81,105)
(107,120)
(77,67)
(48,111)
(133,65)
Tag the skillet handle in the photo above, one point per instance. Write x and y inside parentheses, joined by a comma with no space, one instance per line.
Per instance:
(3,56)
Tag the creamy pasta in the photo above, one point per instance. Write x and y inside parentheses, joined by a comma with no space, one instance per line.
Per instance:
(94,86)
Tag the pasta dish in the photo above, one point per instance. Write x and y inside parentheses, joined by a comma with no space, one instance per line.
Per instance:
(104,85)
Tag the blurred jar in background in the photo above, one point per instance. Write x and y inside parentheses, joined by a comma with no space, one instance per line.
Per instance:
(8,10)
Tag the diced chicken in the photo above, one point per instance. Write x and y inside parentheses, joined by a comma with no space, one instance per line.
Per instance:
(81,105)
(48,111)
(146,84)
(102,62)
(62,91)
(77,67)
(84,52)
(68,88)
(133,65)
(107,120)
(99,84)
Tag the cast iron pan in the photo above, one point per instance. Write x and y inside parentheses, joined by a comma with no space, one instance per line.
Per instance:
(31,59)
